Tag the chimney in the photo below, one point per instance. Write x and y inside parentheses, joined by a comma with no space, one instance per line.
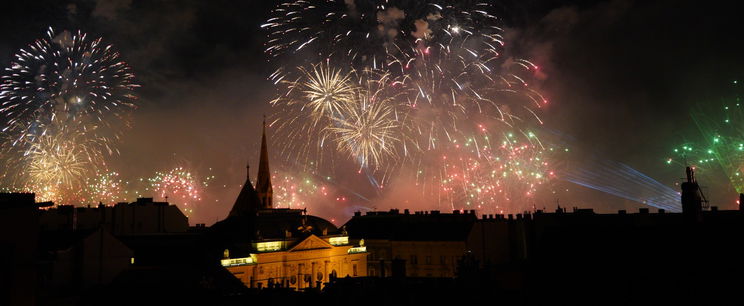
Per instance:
(692,203)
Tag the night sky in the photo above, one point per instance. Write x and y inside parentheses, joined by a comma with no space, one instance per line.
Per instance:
(622,77)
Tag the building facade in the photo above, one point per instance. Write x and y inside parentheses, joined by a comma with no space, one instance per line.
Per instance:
(422,244)
(300,264)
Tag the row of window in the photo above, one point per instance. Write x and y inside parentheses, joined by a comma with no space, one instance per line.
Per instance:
(306,277)
(428,260)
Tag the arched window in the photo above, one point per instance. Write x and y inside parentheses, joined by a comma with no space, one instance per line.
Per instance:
(333,274)
(320,276)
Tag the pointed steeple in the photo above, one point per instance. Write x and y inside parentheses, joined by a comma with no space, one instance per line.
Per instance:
(247,202)
(263,182)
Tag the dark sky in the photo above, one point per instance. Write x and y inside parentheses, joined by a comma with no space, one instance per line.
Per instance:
(622,76)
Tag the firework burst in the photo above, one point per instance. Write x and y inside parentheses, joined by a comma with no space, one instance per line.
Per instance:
(68,79)
(315,100)
(57,161)
(106,188)
(367,131)
(722,143)
(177,185)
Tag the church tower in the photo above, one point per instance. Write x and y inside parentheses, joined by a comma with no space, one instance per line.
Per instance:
(263,181)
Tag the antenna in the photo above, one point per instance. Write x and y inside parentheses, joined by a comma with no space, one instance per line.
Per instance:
(706,203)
(248,171)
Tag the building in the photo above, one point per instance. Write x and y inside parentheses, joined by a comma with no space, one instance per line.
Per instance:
(422,244)
(271,247)
(19,233)
(143,216)
(78,260)
(641,257)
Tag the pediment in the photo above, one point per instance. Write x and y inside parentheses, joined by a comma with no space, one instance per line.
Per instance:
(312,242)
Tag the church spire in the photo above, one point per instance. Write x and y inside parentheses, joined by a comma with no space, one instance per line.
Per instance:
(263,181)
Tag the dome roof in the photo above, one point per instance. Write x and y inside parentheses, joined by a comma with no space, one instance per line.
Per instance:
(274,224)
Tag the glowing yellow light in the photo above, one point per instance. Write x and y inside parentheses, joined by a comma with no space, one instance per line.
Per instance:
(231,262)
(339,240)
(269,246)
(359,249)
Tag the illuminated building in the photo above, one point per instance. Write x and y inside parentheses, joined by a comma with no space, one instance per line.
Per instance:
(266,247)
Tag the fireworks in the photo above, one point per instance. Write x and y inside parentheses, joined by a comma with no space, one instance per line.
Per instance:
(367,131)
(66,79)
(327,92)
(295,191)
(64,101)
(56,161)
(106,188)
(689,154)
(722,141)
(179,185)
(413,87)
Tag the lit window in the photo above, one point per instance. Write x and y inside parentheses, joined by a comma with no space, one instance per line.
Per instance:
(269,246)
(238,261)
(360,249)
(339,240)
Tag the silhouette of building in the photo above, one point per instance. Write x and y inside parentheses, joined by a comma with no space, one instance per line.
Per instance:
(71,261)
(642,257)
(267,247)
(422,244)
(141,217)
(58,253)
(19,233)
